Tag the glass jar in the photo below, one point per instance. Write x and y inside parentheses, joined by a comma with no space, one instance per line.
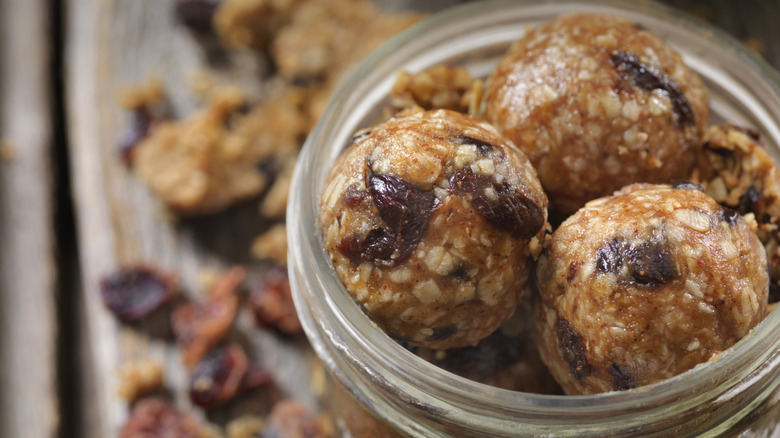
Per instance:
(738,393)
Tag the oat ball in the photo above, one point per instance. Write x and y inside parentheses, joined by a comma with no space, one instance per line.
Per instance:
(431,220)
(597,102)
(644,285)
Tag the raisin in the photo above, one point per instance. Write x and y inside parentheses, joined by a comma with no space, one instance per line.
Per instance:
(441,333)
(573,349)
(217,378)
(750,132)
(353,197)
(272,304)
(686,185)
(197,15)
(133,293)
(156,418)
(483,146)
(406,211)
(460,272)
(509,210)
(621,380)
(609,257)
(647,264)
(749,200)
(651,264)
(729,216)
(256,376)
(630,68)
(200,326)
(291,419)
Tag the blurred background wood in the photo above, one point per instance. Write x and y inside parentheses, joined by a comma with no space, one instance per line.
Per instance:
(28,399)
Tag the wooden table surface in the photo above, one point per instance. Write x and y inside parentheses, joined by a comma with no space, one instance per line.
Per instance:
(70,212)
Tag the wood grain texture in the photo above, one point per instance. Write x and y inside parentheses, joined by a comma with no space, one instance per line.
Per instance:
(28,400)
(110,44)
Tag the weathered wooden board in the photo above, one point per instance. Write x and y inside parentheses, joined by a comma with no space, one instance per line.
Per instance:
(28,400)
(114,42)
(110,44)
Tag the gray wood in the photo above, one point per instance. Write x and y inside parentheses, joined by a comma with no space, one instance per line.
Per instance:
(28,400)
(109,45)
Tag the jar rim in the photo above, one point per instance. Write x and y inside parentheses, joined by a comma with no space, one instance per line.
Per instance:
(369,347)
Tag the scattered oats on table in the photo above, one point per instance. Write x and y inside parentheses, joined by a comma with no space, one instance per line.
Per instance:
(644,285)
(429,220)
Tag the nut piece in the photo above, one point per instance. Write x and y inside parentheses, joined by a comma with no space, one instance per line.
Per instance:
(429,220)
(291,419)
(644,285)
(597,102)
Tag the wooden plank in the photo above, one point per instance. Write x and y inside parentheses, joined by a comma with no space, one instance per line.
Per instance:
(110,44)
(28,401)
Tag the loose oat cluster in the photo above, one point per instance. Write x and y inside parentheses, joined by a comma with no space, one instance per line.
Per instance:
(632,288)
(644,285)
(597,102)
(431,219)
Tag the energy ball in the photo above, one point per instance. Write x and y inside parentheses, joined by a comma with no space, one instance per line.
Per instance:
(597,102)
(644,285)
(431,220)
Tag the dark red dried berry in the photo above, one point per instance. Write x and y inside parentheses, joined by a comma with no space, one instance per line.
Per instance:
(749,201)
(573,349)
(644,77)
(197,15)
(155,418)
(483,147)
(132,293)
(272,304)
(256,376)
(200,326)
(218,377)
(510,210)
(290,419)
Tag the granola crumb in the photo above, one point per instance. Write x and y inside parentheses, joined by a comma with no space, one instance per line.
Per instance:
(246,426)
(143,95)
(138,378)
(8,151)
(272,245)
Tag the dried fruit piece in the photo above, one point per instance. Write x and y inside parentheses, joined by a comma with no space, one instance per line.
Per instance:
(199,326)
(156,418)
(290,419)
(132,293)
(631,69)
(573,349)
(272,305)
(218,377)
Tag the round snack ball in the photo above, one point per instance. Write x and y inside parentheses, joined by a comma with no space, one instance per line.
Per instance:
(430,220)
(644,285)
(597,102)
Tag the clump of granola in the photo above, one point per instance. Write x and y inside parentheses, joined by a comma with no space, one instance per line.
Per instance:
(439,87)
(138,378)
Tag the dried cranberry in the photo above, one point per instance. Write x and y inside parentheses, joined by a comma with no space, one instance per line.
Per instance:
(510,210)
(200,326)
(218,377)
(133,293)
(272,304)
(290,419)
(196,14)
(155,418)
(256,376)
(631,69)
